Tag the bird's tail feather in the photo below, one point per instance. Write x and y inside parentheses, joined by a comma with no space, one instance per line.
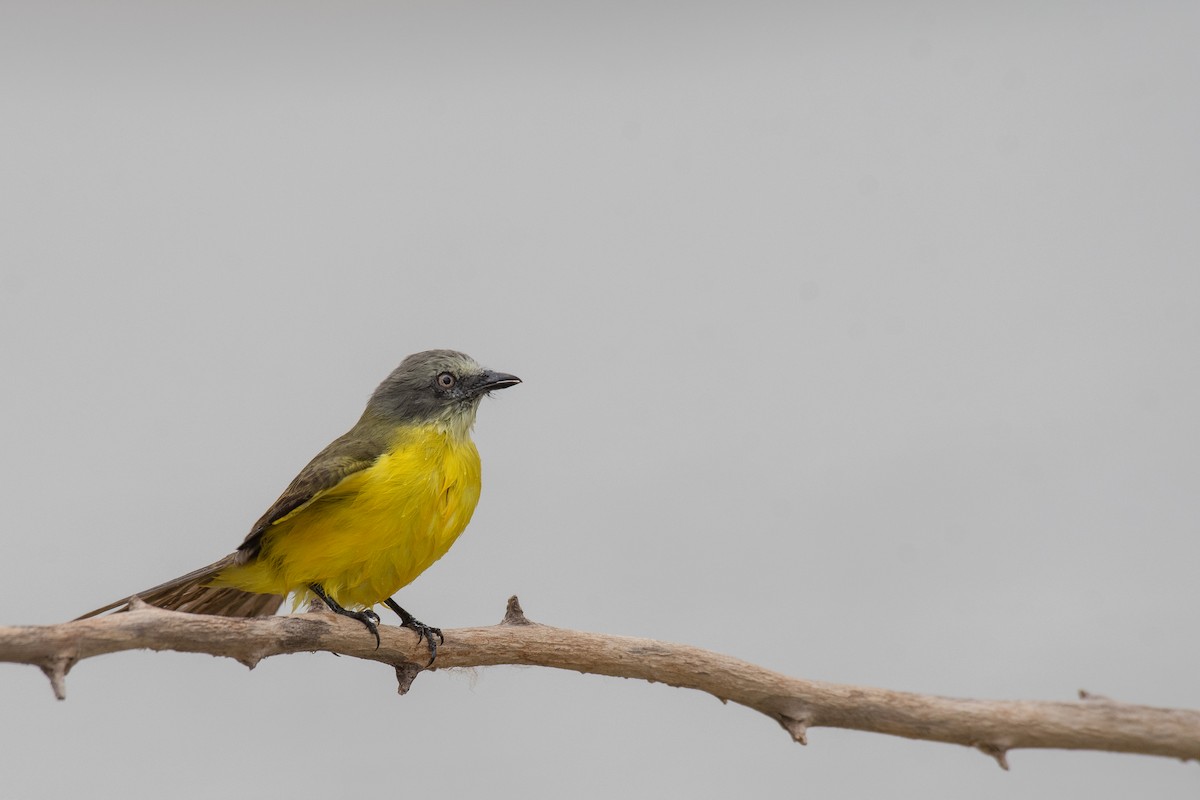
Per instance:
(190,593)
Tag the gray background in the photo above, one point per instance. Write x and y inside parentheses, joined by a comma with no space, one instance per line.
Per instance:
(860,341)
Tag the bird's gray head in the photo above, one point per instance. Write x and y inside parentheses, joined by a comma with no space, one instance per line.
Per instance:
(437,386)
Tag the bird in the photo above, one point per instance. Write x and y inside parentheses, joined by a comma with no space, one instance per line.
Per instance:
(367,515)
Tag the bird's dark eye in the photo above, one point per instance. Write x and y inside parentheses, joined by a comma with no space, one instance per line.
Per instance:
(446,381)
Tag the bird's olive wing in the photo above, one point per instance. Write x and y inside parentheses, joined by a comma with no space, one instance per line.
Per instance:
(345,456)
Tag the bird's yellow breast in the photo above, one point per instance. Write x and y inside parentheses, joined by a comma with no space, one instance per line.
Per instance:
(378,529)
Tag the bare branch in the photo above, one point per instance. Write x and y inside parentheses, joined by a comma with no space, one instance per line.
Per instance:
(991,726)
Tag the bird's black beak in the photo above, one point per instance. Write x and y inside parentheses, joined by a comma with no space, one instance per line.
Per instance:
(488,381)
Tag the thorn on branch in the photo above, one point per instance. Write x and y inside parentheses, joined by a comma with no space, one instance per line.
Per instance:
(798,728)
(513,615)
(249,661)
(406,673)
(996,752)
(56,670)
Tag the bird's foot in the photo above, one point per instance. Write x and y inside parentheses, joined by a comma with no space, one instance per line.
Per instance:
(423,631)
(367,617)
(426,632)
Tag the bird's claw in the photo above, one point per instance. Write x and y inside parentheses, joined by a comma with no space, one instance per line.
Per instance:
(426,632)
(371,620)
(422,630)
(366,617)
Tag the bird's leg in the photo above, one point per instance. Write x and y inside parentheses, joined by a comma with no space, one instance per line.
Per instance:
(426,632)
(368,617)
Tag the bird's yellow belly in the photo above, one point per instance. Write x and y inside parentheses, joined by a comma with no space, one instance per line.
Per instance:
(375,532)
